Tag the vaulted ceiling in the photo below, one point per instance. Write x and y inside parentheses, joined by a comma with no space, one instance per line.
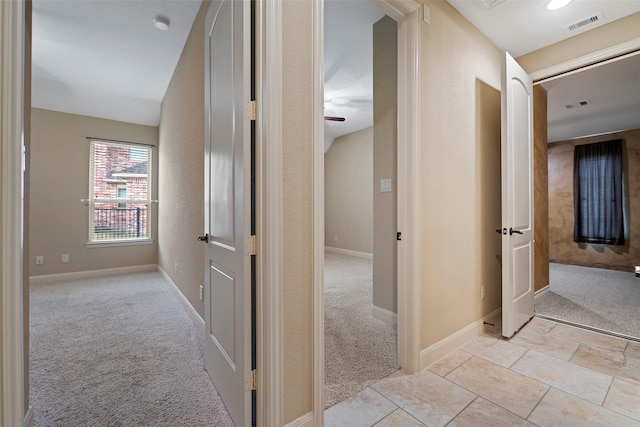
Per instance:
(106,59)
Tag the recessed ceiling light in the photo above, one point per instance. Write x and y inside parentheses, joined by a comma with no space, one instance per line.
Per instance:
(161,23)
(557,4)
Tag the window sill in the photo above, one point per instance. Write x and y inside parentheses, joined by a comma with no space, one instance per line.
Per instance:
(116,243)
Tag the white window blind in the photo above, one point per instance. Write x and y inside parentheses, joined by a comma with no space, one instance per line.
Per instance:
(119,192)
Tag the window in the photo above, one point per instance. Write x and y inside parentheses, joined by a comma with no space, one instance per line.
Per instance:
(120,196)
(597,193)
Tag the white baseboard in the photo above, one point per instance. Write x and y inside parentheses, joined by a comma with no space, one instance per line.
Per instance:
(348,252)
(454,341)
(193,314)
(28,418)
(384,315)
(541,292)
(90,274)
(304,421)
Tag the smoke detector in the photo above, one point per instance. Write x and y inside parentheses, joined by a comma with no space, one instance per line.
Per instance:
(488,4)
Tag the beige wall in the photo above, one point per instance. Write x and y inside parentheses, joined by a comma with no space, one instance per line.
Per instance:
(385,148)
(600,38)
(297,187)
(488,185)
(561,219)
(59,222)
(181,180)
(455,57)
(348,193)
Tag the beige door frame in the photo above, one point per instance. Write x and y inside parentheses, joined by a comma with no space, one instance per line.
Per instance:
(12,370)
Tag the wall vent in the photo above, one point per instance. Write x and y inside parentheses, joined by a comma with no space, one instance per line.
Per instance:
(597,18)
(488,4)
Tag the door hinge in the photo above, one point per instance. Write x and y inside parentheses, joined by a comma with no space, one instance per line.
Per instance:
(254,380)
(253,250)
(253,107)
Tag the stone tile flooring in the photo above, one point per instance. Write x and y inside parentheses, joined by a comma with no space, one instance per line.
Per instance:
(549,374)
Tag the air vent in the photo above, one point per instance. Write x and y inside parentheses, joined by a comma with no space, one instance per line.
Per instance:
(594,19)
(577,105)
(488,4)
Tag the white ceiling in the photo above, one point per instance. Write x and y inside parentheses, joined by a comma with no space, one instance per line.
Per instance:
(348,65)
(522,26)
(105,58)
(612,96)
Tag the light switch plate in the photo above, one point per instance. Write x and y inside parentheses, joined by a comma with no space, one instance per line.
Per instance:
(385,185)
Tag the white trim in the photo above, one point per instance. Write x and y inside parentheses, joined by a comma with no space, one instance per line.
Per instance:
(117,243)
(586,60)
(29,419)
(304,421)
(396,9)
(317,101)
(269,206)
(384,315)
(348,252)
(537,294)
(408,177)
(454,341)
(191,311)
(89,274)
(12,369)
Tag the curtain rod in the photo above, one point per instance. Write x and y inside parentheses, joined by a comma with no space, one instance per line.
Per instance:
(93,138)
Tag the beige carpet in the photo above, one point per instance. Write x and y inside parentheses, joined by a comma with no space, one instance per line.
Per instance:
(607,300)
(359,350)
(117,351)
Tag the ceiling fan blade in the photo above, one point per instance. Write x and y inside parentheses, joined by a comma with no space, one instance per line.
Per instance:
(334,119)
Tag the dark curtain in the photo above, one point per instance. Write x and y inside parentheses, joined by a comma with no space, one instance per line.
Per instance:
(597,193)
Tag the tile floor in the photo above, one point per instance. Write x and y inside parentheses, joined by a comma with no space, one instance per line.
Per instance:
(549,374)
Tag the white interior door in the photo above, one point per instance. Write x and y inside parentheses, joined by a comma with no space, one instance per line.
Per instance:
(227,205)
(517,197)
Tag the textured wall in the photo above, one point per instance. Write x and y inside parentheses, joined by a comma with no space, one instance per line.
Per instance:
(541,190)
(59,222)
(181,189)
(488,146)
(562,247)
(385,161)
(348,193)
(455,56)
(297,187)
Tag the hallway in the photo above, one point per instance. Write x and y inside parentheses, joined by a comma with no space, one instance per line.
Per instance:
(549,374)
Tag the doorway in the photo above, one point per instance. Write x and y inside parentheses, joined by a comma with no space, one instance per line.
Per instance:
(360,101)
(592,285)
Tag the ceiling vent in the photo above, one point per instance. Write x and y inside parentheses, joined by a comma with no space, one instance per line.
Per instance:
(597,18)
(577,105)
(488,4)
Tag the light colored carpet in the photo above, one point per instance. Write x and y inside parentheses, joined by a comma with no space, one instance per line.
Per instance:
(358,349)
(608,300)
(117,351)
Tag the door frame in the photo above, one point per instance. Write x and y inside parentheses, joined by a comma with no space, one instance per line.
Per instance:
(406,14)
(12,38)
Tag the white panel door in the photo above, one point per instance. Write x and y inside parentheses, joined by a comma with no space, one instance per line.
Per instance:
(517,197)
(227,205)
